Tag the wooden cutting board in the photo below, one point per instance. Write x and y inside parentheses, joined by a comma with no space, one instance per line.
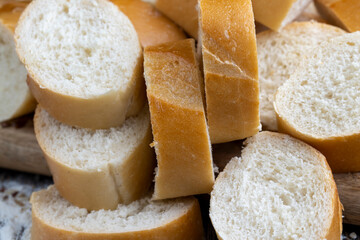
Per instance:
(20,151)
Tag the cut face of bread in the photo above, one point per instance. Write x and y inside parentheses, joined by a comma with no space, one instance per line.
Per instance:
(15,97)
(276,14)
(97,169)
(320,102)
(84,59)
(279,54)
(343,13)
(280,188)
(152,27)
(228,44)
(56,218)
(181,139)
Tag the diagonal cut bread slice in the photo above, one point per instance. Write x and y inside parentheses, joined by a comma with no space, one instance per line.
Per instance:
(152,26)
(16,99)
(181,139)
(55,218)
(97,169)
(279,54)
(320,103)
(280,188)
(276,14)
(343,13)
(84,59)
(228,43)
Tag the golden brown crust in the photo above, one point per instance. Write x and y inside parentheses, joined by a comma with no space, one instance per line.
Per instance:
(343,13)
(341,152)
(187,226)
(178,121)
(230,68)
(107,187)
(182,12)
(152,27)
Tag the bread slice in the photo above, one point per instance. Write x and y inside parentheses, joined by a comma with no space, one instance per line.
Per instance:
(97,169)
(319,104)
(183,12)
(279,54)
(55,218)
(181,139)
(280,188)
(15,97)
(84,59)
(228,45)
(343,13)
(275,14)
(153,28)
(310,13)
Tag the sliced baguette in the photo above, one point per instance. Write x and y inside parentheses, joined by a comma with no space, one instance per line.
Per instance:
(55,218)
(152,27)
(183,12)
(320,103)
(310,13)
(279,54)
(275,14)
(280,188)
(97,169)
(181,139)
(343,13)
(15,96)
(84,59)
(228,45)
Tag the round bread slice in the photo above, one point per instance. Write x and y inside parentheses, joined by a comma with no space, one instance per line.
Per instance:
(15,97)
(97,169)
(279,54)
(55,218)
(320,103)
(84,59)
(280,188)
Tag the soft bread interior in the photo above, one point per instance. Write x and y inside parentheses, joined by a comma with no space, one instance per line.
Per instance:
(295,10)
(280,53)
(139,215)
(13,88)
(280,188)
(90,149)
(79,48)
(322,98)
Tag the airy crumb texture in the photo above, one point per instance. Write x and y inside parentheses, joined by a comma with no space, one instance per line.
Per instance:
(79,48)
(322,98)
(89,149)
(280,53)
(280,188)
(13,88)
(139,215)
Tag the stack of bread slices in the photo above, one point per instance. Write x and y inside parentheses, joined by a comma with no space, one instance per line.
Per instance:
(120,88)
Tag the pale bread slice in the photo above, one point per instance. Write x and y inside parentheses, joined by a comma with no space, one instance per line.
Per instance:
(228,45)
(320,103)
(97,169)
(55,218)
(84,59)
(279,54)
(280,188)
(15,97)
(181,138)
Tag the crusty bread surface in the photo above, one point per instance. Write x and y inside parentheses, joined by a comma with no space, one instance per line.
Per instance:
(84,59)
(280,188)
(279,54)
(230,69)
(319,104)
(343,13)
(181,139)
(16,99)
(97,169)
(55,218)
